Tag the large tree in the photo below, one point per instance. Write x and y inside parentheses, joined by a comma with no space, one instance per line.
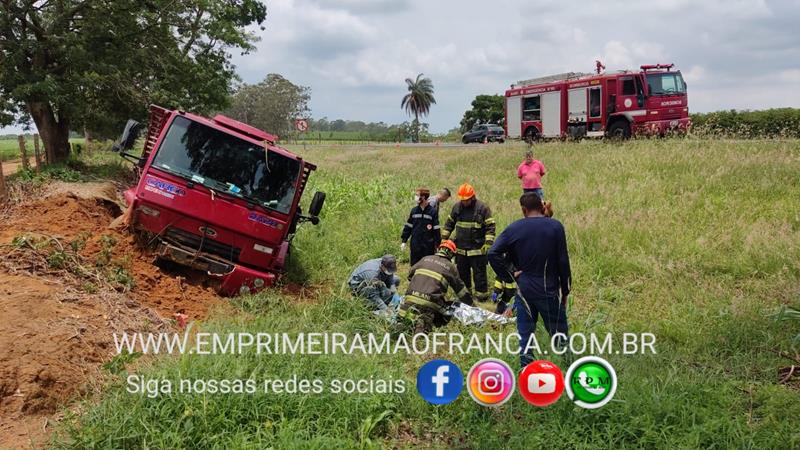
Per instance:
(271,105)
(75,64)
(485,109)
(419,99)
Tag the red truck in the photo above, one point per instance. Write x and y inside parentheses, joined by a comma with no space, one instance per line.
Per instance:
(217,195)
(651,101)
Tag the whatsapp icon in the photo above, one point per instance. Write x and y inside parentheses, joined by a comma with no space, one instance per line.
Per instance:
(591,382)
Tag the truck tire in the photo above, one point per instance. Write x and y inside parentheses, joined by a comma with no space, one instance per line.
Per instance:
(620,130)
(464,140)
(531,135)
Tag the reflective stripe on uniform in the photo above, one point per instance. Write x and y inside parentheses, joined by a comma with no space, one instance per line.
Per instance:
(489,221)
(490,237)
(463,224)
(476,252)
(464,291)
(424,303)
(416,216)
(429,273)
(409,225)
(425,216)
(436,227)
(503,285)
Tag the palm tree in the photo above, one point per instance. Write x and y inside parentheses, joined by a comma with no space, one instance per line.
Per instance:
(418,100)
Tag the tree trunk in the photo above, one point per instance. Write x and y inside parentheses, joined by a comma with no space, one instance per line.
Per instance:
(53,130)
(416,126)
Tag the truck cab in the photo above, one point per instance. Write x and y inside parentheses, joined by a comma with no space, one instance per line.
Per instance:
(217,195)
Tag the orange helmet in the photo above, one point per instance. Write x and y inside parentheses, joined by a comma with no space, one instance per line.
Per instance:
(448,244)
(466,191)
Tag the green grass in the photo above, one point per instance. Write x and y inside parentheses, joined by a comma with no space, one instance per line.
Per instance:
(9,148)
(696,241)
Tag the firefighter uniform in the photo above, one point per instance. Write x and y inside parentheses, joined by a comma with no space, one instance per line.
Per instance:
(423,228)
(425,302)
(503,293)
(474,229)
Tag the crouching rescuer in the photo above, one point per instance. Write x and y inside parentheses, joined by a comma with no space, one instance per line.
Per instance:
(474,229)
(425,301)
(375,281)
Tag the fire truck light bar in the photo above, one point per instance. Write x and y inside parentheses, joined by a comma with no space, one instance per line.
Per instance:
(657,66)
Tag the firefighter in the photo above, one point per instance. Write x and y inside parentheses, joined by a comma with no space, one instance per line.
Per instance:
(375,281)
(502,294)
(422,227)
(424,304)
(475,232)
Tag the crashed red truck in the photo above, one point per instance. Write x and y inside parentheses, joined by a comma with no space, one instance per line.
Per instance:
(651,101)
(217,195)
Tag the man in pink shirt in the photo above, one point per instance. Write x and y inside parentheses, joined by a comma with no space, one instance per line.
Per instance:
(531,172)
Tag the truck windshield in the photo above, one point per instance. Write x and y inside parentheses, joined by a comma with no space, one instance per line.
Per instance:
(665,83)
(228,164)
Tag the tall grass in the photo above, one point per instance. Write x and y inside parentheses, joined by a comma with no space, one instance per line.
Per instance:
(696,241)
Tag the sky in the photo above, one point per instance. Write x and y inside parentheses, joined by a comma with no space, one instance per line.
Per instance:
(356,54)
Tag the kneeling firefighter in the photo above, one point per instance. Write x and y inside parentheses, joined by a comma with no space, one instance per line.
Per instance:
(425,300)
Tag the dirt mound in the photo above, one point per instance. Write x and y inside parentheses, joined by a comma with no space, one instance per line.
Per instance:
(78,218)
(67,282)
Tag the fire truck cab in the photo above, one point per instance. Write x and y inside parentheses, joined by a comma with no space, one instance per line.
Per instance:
(651,101)
(217,195)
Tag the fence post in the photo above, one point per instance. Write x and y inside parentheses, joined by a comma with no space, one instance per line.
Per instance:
(36,153)
(23,152)
(2,184)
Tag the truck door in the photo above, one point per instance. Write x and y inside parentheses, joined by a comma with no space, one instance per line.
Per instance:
(593,122)
(626,94)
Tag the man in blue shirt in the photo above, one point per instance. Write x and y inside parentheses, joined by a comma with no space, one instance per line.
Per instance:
(375,281)
(537,247)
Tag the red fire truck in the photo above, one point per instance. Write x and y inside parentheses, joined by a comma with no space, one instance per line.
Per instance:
(217,195)
(651,101)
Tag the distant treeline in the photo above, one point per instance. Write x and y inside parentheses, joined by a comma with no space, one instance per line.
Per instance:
(768,123)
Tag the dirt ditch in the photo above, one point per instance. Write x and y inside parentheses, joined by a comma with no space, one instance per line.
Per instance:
(67,282)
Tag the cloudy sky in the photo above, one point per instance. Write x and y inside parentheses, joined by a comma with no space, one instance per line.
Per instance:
(355,54)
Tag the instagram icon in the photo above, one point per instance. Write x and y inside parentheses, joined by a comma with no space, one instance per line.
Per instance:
(490,382)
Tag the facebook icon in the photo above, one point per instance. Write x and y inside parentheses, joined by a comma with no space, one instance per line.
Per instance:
(439,381)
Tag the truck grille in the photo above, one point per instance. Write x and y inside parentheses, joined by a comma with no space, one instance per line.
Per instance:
(210,246)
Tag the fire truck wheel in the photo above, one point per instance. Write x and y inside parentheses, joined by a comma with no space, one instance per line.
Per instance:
(531,135)
(619,130)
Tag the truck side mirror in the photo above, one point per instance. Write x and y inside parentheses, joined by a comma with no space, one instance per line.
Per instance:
(316,204)
(129,136)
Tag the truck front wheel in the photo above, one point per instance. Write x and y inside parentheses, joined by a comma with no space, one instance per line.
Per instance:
(531,135)
(620,130)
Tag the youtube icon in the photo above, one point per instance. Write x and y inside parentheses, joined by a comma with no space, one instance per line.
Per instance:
(541,383)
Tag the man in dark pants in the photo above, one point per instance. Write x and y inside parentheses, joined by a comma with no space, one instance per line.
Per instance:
(537,246)
(422,227)
(474,227)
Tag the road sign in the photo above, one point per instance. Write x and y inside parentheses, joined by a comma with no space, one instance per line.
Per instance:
(301,125)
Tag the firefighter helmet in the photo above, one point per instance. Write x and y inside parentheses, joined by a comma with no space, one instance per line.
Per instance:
(449,245)
(466,191)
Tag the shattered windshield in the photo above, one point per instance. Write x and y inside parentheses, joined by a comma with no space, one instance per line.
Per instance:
(228,164)
(667,83)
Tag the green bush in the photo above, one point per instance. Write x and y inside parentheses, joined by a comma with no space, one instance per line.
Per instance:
(769,123)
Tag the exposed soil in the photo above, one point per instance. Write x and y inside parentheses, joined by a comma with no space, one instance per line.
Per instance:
(57,322)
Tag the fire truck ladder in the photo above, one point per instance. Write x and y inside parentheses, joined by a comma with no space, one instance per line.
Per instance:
(157,117)
(550,79)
